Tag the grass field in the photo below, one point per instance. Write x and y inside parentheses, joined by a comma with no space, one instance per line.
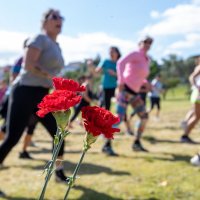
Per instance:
(163,174)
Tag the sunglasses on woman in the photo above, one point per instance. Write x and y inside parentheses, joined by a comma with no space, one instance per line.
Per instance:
(148,42)
(56,17)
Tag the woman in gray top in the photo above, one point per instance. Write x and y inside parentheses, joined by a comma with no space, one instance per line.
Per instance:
(42,61)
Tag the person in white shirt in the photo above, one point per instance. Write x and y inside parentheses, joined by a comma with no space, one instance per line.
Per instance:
(193,116)
(157,88)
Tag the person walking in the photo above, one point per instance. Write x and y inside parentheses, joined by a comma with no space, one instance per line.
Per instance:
(155,93)
(15,70)
(87,97)
(109,83)
(193,116)
(132,70)
(42,61)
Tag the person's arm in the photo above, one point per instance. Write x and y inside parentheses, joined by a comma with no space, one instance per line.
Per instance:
(98,69)
(31,63)
(112,72)
(121,67)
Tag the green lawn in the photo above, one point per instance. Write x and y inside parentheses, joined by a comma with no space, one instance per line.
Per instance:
(163,174)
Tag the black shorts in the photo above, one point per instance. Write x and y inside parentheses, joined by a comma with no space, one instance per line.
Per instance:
(155,101)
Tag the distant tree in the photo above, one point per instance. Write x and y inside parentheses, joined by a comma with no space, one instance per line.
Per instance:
(154,69)
(176,67)
(97,60)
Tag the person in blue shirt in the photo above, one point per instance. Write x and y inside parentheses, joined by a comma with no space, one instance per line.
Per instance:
(109,83)
(109,76)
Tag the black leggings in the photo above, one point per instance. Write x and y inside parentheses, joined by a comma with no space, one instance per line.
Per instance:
(107,95)
(3,112)
(78,109)
(4,106)
(23,102)
(30,127)
(34,119)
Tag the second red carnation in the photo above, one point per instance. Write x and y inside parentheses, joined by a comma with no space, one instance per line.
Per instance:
(99,121)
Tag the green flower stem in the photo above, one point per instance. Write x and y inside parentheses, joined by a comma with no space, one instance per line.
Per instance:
(51,165)
(72,179)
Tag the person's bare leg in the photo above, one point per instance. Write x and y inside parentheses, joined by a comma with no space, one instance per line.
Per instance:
(158,113)
(127,126)
(137,146)
(189,115)
(2,135)
(141,128)
(191,123)
(60,176)
(27,141)
(59,162)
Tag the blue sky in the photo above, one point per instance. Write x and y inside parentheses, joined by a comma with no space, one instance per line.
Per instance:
(91,26)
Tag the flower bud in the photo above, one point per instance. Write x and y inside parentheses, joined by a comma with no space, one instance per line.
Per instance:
(89,139)
(62,119)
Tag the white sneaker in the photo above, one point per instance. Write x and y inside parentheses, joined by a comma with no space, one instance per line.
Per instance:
(195,160)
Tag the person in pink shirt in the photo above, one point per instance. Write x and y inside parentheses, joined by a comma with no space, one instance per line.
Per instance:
(132,70)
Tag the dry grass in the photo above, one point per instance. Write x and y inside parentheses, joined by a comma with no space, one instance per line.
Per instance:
(165,173)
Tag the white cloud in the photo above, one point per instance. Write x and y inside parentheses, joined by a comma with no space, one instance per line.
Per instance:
(89,44)
(182,19)
(190,41)
(12,41)
(197,2)
(77,48)
(154,14)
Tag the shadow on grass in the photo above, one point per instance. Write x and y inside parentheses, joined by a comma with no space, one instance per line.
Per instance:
(154,140)
(172,128)
(92,194)
(49,151)
(18,198)
(42,141)
(178,157)
(150,198)
(86,168)
(40,151)
(172,158)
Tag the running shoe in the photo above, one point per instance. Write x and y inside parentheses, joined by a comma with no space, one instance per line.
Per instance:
(187,139)
(60,176)
(137,146)
(109,151)
(25,155)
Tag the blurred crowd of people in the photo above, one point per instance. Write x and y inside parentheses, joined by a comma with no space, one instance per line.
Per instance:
(123,78)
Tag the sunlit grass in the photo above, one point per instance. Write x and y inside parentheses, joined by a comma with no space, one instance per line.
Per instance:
(165,173)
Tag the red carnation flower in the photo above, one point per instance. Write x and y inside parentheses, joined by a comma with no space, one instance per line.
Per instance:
(99,121)
(67,84)
(59,100)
